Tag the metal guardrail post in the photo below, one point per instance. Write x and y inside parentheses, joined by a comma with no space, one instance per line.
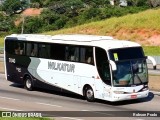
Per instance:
(1,58)
(1,50)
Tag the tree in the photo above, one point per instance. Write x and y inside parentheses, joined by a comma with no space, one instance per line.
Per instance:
(154,3)
(6,23)
(137,2)
(13,6)
(39,3)
(32,24)
(48,17)
(97,3)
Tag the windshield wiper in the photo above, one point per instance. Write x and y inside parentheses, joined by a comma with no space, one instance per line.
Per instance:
(137,77)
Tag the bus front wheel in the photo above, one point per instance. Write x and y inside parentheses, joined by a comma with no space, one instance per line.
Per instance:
(89,94)
(28,84)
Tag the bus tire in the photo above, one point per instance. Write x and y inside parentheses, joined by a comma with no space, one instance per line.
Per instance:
(89,94)
(28,83)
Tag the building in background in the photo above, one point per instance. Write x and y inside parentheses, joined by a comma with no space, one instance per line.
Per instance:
(122,3)
(1,1)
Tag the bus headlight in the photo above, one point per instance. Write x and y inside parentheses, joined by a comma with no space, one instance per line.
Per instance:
(118,92)
(144,89)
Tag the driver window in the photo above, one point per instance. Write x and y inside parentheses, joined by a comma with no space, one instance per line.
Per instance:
(103,66)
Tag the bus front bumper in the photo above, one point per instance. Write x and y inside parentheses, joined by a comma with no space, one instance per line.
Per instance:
(121,97)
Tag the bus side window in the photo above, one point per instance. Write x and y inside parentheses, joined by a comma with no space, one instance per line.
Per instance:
(19,48)
(89,56)
(10,47)
(72,53)
(44,51)
(32,49)
(86,55)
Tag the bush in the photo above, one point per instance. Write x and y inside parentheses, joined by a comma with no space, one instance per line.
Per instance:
(31,25)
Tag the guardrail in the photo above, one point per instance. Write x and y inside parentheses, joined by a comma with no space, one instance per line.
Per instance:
(157,59)
(1,50)
(1,58)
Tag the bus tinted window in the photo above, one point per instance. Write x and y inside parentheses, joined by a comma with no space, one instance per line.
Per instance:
(32,49)
(15,47)
(57,52)
(72,53)
(44,50)
(86,55)
(126,53)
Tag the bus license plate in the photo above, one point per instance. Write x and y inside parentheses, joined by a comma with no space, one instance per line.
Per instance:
(133,96)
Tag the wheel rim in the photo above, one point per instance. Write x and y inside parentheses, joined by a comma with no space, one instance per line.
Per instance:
(28,83)
(89,93)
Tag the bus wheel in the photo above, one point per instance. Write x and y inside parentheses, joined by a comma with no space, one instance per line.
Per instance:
(89,94)
(28,84)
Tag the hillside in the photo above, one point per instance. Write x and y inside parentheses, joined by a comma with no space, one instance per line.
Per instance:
(143,27)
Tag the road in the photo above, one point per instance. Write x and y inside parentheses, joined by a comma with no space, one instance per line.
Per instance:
(14,98)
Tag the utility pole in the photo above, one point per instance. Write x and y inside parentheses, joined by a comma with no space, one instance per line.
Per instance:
(29,3)
(23,20)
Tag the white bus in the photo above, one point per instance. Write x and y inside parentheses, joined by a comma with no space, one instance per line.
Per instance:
(92,66)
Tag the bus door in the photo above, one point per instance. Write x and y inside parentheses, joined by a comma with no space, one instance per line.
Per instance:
(15,60)
(76,84)
(103,80)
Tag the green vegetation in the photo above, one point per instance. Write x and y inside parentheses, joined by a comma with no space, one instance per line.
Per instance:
(148,19)
(152,50)
(135,27)
(58,14)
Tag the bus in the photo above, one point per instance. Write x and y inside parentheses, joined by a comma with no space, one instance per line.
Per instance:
(96,67)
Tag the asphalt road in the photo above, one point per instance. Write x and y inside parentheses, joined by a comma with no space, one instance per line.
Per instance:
(14,98)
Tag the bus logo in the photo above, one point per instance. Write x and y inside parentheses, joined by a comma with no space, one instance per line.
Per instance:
(134,91)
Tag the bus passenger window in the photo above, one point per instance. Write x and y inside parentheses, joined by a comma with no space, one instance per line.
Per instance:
(44,51)
(32,49)
(72,53)
(89,56)
(86,55)
(19,48)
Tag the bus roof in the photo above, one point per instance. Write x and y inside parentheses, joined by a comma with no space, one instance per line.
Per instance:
(106,42)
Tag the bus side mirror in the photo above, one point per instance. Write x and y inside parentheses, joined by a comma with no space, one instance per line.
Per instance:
(153,61)
(113,64)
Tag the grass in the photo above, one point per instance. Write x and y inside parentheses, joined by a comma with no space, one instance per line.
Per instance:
(1,41)
(152,50)
(148,19)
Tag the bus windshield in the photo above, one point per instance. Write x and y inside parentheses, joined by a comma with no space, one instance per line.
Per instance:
(130,72)
(131,66)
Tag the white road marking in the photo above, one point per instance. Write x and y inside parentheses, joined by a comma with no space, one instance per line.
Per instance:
(2,108)
(48,104)
(140,119)
(85,110)
(8,98)
(71,118)
(99,112)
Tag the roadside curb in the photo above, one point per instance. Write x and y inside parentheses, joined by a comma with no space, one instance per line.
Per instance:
(155,92)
